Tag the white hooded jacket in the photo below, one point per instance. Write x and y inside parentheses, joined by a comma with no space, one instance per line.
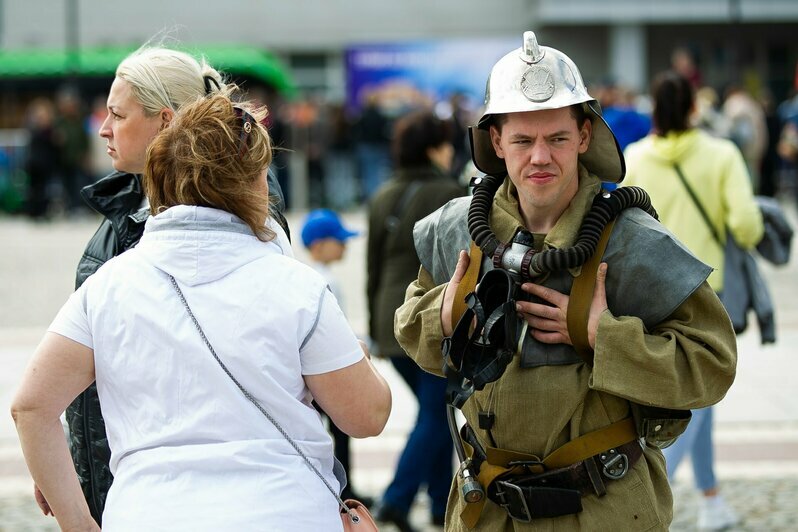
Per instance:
(188,449)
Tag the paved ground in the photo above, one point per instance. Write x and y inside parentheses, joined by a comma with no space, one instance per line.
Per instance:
(756,425)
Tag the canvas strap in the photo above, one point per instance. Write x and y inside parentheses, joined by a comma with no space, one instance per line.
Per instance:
(582,297)
(468,283)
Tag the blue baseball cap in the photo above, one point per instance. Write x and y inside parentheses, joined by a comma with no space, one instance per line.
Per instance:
(324,223)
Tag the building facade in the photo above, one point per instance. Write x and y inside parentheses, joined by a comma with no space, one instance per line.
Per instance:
(623,40)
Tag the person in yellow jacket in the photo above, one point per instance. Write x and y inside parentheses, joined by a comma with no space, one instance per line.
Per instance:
(716,174)
(659,336)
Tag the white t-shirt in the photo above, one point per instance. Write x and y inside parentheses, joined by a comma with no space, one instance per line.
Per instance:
(189,452)
(326,272)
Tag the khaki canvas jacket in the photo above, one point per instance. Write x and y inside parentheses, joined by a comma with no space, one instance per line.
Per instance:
(687,361)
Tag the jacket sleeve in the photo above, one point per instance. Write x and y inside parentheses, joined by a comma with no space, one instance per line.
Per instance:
(417,323)
(743,216)
(102,246)
(687,361)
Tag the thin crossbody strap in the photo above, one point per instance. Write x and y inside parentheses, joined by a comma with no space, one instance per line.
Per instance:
(704,215)
(263,411)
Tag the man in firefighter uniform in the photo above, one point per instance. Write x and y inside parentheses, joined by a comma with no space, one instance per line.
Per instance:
(563,440)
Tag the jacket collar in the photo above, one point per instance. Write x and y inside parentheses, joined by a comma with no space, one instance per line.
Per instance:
(115,196)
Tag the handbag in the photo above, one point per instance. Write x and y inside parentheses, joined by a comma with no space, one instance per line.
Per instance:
(355,516)
(743,286)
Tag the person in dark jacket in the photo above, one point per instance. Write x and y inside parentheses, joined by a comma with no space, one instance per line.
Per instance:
(423,154)
(150,86)
(41,161)
(72,142)
(372,135)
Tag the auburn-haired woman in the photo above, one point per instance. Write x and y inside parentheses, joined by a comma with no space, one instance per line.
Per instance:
(188,449)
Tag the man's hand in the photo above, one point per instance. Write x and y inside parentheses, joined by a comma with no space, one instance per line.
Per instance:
(598,305)
(547,323)
(451,289)
(41,501)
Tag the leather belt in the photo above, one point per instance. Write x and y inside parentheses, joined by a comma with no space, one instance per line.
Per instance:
(559,491)
(559,480)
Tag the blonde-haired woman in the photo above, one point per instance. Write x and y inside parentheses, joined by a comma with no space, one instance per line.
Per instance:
(188,450)
(150,86)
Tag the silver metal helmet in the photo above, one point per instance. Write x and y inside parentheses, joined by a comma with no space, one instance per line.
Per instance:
(536,78)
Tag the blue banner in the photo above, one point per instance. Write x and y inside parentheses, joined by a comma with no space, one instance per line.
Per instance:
(410,74)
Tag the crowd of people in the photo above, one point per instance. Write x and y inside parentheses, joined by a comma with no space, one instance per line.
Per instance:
(346,152)
(762,129)
(57,160)
(197,359)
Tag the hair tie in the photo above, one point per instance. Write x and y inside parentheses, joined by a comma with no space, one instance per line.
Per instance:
(208,79)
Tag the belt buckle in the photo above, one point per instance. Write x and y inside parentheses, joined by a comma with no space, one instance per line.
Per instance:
(508,491)
(616,464)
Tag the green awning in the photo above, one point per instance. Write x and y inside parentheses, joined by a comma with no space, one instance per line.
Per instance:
(102,61)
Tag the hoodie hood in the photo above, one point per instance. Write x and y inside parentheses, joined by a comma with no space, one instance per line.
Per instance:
(674,146)
(198,245)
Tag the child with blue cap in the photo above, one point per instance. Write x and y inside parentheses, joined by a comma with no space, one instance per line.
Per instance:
(325,236)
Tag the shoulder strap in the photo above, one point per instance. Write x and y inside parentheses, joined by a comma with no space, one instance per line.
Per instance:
(704,215)
(582,296)
(468,284)
(393,219)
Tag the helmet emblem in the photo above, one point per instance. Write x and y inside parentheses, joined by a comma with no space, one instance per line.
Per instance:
(537,83)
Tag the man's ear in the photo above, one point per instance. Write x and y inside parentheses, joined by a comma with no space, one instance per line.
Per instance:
(585,135)
(166,117)
(495,139)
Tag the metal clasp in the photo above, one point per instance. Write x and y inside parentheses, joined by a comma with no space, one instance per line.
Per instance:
(505,490)
(615,465)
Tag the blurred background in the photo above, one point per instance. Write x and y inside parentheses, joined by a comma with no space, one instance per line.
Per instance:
(335,76)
